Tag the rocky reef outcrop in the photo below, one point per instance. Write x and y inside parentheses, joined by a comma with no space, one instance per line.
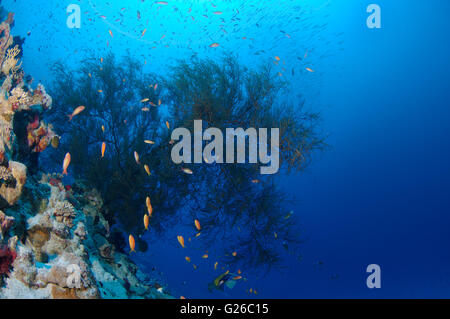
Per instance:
(54,240)
(61,242)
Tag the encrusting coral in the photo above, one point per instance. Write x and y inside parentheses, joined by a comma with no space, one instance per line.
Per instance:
(54,240)
(7,257)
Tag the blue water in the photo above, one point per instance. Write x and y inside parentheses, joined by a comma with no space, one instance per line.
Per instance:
(379,195)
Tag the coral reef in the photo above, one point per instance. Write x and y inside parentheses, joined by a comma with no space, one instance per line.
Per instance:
(69,229)
(54,240)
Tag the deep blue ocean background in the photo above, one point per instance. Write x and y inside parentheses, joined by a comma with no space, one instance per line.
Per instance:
(379,195)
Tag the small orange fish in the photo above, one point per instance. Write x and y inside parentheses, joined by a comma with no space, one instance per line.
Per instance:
(277,58)
(147,201)
(132,243)
(145,109)
(147,169)
(197,225)
(182,297)
(310,70)
(168,125)
(234,254)
(198,234)
(150,210)
(66,163)
(145,100)
(187,171)
(187,259)
(181,240)
(103,128)
(163,3)
(136,157)
(217,12)
(111,34)
(146,221)
(149,142)
(237,277)
(214,45)
(205,256)
(77,111)
(215,265)
(239,271)
(143,32)
(103,149)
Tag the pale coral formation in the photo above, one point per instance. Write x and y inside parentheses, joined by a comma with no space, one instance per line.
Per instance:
(10,62)
(16,174)
(53,244)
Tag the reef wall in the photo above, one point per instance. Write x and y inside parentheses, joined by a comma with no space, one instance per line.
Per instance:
(54,241)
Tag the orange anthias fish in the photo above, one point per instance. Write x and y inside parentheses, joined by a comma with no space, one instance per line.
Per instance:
(214,45)
(146,221)
(132,244)
(168,125)
(111,34)
(310,70)
(187,171)
(147,169)
(150,209)
(136,157)
(234,254)
(143,32)
(197,225)
(188,259)
(149,142)
(103,149)
(77,111)
(181,240)
(66,163)
(147,201)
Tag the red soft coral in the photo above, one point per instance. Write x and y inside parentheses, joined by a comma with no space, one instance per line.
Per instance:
(7,257)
